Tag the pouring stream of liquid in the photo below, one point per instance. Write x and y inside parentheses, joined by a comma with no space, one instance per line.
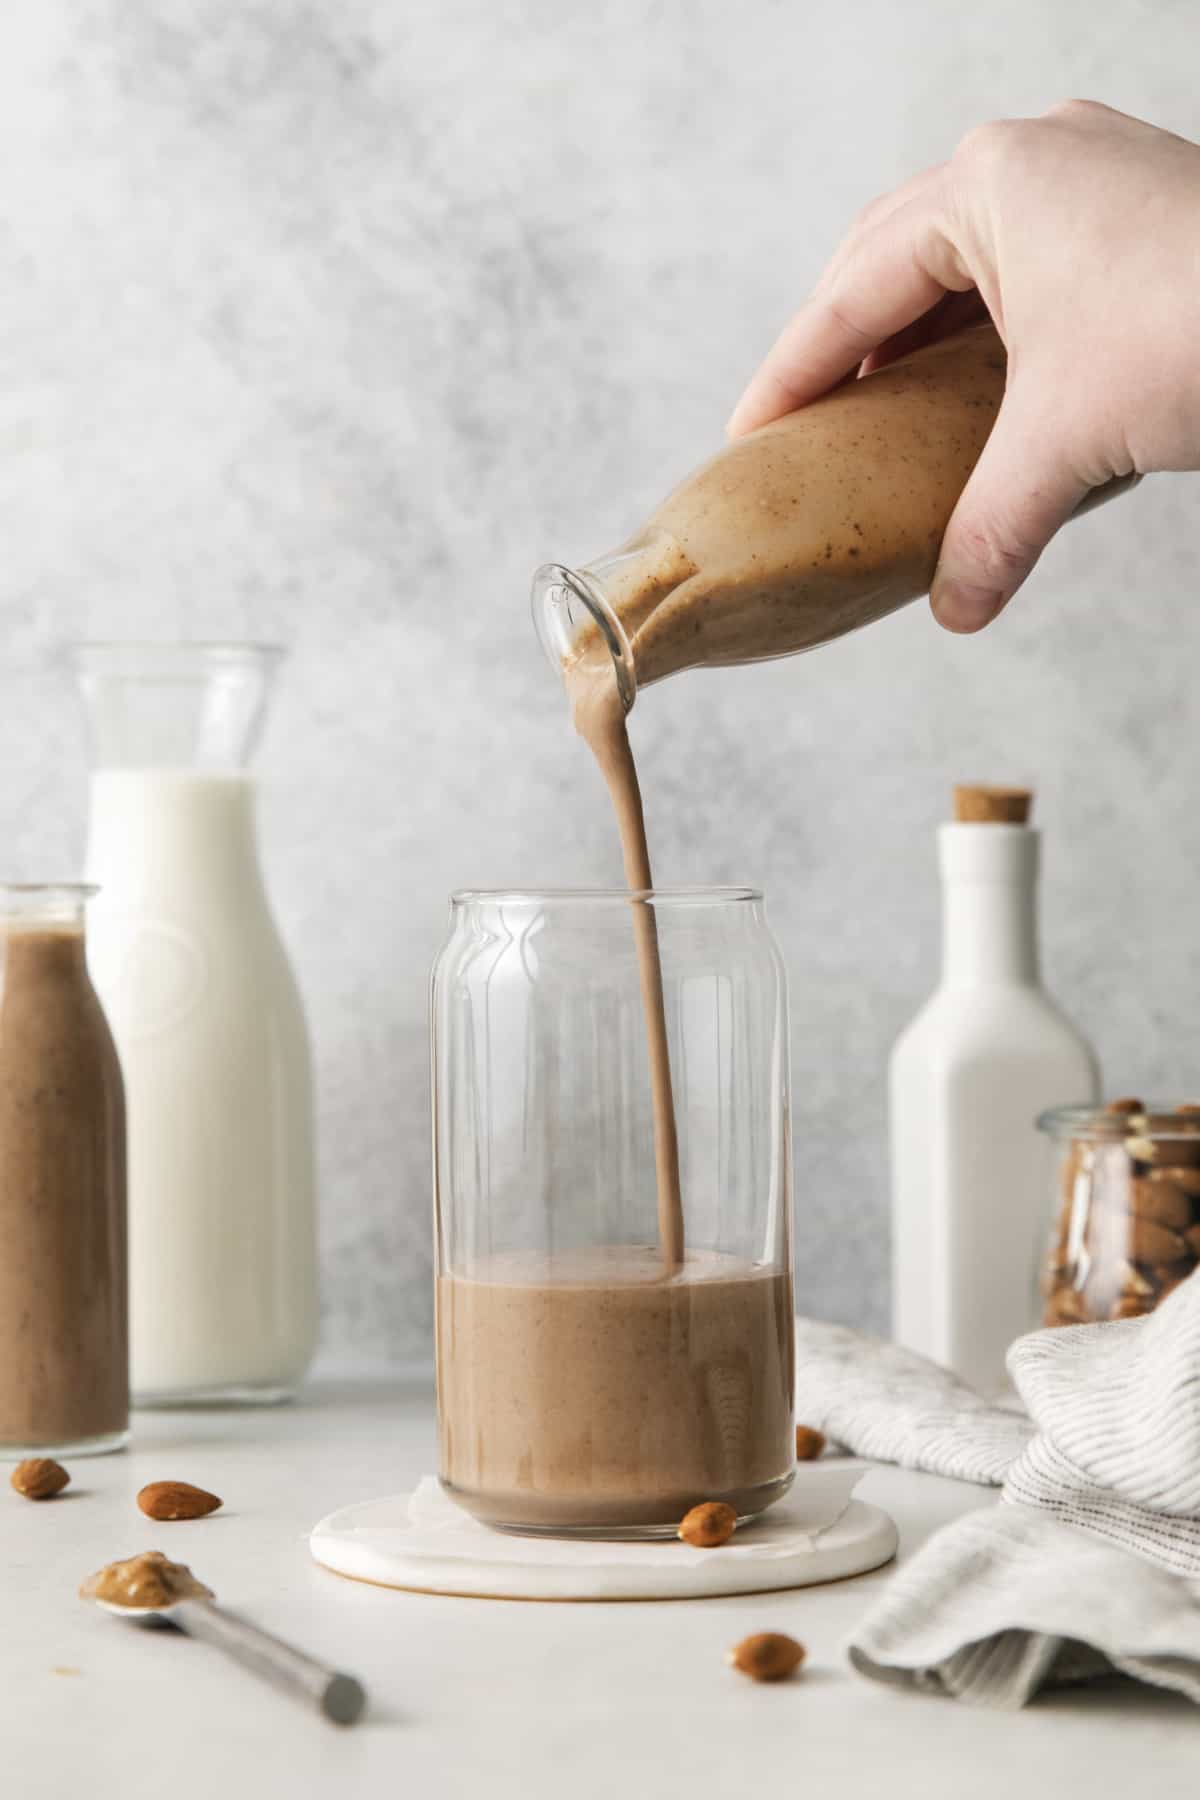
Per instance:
(600,720)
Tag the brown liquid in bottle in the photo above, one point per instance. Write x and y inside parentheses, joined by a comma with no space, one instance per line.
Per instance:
(811,527)
(63,1357)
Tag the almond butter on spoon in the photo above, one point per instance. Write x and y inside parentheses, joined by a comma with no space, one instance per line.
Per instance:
(150,1587)
(146,1583)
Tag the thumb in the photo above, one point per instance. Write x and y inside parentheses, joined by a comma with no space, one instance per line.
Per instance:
(1022,489)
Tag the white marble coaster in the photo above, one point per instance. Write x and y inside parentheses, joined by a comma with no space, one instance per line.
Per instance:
(424,1541)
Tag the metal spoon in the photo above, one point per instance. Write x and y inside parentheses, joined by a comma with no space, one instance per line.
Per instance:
(339,1697)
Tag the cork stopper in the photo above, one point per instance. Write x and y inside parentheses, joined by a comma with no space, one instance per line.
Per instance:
(992,805)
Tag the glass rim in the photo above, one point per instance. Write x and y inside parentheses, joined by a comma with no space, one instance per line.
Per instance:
(615,896)
(1154,1119)
(219,650)
(30,890)
(551,582)
(34,899)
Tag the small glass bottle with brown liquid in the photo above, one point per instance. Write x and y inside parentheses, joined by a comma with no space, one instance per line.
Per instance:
(64,1364)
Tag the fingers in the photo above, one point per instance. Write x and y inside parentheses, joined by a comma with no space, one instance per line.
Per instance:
(953,312)
(1022,489)
(820,345)
(883,278)
(876,211)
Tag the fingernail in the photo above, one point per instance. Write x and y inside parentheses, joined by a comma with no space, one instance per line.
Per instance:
(962,606)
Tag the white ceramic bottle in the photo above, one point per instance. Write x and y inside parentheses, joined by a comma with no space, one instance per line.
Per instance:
(986,1054)
(208,1023)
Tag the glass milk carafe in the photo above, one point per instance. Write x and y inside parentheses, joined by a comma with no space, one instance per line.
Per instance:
(208,1022)
(591,1383)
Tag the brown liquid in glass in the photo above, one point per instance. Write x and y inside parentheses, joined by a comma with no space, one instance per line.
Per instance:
(63,1358)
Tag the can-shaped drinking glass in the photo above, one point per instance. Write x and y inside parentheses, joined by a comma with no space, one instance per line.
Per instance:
(613,1229)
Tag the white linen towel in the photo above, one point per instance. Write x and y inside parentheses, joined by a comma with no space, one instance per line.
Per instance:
(1091,1560)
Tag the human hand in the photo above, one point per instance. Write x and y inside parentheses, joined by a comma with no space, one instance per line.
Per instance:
(1080,233)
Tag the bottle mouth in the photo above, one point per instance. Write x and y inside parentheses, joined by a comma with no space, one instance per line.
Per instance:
(175,704)
(44,902)
(667,898)
(565,602)
(1155,1119)
(145,659)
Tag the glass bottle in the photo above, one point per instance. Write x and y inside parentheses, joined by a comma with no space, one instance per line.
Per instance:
(208,1021)
(815,525)
(64,1364)
(585,1385)
(1125,1208)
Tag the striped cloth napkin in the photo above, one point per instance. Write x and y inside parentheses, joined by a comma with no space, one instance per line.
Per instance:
(1090,1562)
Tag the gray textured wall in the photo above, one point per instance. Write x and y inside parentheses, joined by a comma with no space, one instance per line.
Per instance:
(328,319)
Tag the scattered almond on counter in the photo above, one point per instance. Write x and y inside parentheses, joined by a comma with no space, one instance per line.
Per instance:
(39,1478)
(708,1525)
(176,1500)
(809,1443)
(766,1656)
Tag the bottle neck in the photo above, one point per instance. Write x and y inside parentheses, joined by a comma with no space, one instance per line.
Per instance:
(33,954)
(594,613)
(989,905)
(175,705)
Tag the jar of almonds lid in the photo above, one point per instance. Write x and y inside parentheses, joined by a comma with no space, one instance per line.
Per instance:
(1126,1208)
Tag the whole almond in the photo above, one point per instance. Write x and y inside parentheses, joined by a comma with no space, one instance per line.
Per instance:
(1154,1244)
(1161,1152)
(809,1443)
(1125,1106)
(708,1525)
(39,1478)
(1065,1307)
(1186,1178)
(1134,1285)
(1054,1274)
(1161,1199)
(1170,1279)
(766,1656)
(176,1500)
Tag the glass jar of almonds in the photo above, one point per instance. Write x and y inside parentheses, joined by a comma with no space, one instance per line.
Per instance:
(1126,1209)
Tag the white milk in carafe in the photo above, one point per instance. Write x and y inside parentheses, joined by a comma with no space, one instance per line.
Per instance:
(211,1034)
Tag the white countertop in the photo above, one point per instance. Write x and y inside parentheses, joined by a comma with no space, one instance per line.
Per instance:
(504,1699)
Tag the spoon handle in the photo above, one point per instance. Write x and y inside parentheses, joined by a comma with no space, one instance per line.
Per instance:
(339,1697)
